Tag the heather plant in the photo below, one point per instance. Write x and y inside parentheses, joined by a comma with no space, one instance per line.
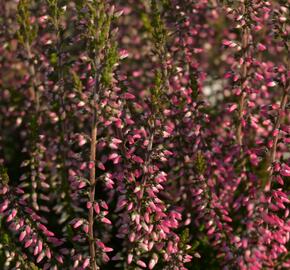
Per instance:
(147,134)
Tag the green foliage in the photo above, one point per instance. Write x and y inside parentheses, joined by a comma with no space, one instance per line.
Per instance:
(98,26)
(4,178)
(77,81)
(193,85)
(110,60)
(55,11)
(146,22)
(33,128)
(4,238)
(262,170)
(184,237)
(159,33)
(200,163)
(156,92)
(27,31)
(8,244)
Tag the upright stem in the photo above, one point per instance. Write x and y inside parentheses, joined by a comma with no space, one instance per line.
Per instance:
(94,132)
(34,122)
(244,74)
(92,197)
(279,119)
(277,125)
(61,103)
(32,73)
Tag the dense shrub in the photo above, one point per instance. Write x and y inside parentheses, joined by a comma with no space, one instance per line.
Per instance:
(147,134)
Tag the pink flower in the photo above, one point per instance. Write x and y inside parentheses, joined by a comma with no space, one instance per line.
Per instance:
(129,258)
(48,253)
(106,220)
(86,263)
(97,208)
(78,223)
(229,43)
(101,166)
(141,263)
(40,257)
(137,159)
(86,228)
(232,107)
(271,84)
(59,259)
(152,263)
(4,206)
(261,47)
(285,171)
(22,236)
(89,205)
(12,215)
(123,54)
(28,243)
(129,96)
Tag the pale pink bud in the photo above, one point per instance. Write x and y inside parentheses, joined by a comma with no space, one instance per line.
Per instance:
(147,217)
(106,220)
(197,255)
(152,263)
(104,205)
(89,205)
(261,47)
(28,243)
(132,237)
(76,263)
(118,13)
(108,249)
(137,219)
(82,141)
(40,245)
(141,263)
(40,257)
(78,223)
(271,84)
(86,228)
(227,42)
(4,206)
(48,253)
(81,104)
(43,19)
(113,156)
(130,206)
(100,244)
(22,236)
(36,251)
(101,166)
(123,54)
(97,208)
(86,263)
(12,215)
(259,76)
(258,27)
(275,132)
(91,164)
(129,258)
(137,159)
(82,184)
(59,259)
(285,172)
(118,123)
(128,96)
(232,107)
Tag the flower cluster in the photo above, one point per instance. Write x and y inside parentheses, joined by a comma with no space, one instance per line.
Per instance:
(144,134)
